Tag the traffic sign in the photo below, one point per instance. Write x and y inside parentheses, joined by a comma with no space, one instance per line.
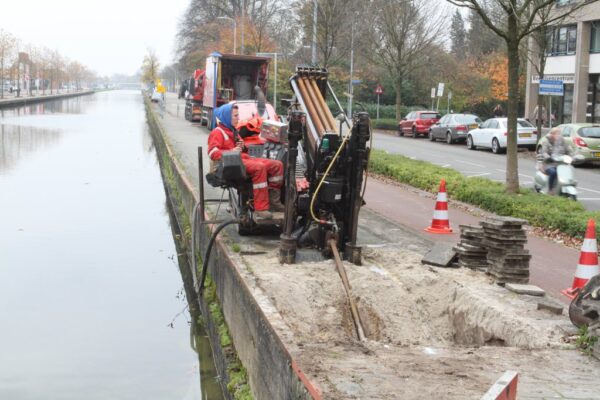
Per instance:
(379,90)
(440,91)
(551,88)
(356,81)
(433,93)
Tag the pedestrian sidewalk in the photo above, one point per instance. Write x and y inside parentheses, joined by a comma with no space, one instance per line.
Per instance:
(552,264)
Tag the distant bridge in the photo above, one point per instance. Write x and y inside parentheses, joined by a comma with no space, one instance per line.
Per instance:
(129,86)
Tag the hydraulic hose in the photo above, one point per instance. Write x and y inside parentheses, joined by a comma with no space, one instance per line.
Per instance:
(208,251)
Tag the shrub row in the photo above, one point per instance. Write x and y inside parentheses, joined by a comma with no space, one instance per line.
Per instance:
(550,212)
(385,123)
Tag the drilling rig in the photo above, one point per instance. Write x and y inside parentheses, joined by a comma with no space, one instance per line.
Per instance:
(325,160)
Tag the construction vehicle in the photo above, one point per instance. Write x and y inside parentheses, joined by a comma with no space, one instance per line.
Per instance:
(239,78)
(193,100)
(325,160)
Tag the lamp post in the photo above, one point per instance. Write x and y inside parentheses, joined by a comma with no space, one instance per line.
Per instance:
(214,58)
(274,55)
(314,32)
(234,31)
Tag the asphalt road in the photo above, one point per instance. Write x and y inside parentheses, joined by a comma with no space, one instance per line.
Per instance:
(484,163)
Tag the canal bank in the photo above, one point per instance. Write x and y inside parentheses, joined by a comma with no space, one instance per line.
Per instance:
(26,100)
(432,333)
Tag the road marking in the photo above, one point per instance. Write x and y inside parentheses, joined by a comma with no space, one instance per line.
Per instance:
(473,176)
(589,190)
(470,163)
(501,170)
(526,176)
(589,198)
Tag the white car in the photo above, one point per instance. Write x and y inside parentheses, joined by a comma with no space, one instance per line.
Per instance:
(156,96)
(493,134)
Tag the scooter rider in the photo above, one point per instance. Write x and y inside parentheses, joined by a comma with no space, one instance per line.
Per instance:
(264,173)
(553,147)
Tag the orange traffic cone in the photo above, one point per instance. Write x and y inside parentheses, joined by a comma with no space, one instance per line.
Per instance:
(440,222)
(588,261)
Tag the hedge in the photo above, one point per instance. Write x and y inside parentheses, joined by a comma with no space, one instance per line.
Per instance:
(385,123)
(549,212)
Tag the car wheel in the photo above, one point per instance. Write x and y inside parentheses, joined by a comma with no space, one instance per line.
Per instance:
(573,197)
(470,145)
(449,138)
(496,149)
(414,132)
(400,132)
(431,137)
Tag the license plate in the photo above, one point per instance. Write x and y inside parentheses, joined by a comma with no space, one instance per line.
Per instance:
(473,126)
(596,155)
(524,134)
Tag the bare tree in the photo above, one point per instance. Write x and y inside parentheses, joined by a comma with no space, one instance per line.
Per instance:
(520,19)
(402,30)
(7,48)
(150,67)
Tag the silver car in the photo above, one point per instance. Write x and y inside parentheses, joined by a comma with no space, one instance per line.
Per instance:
(454,127)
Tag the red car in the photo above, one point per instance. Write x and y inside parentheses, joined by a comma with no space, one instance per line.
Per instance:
(417,123)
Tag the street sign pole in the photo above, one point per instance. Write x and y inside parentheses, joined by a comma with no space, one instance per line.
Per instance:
(377,107)
(432,96)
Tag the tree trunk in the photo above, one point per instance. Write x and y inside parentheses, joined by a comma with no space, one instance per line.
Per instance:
(398,88)
(512,166)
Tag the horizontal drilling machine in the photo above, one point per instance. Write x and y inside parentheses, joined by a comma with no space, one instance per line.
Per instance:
(325,159)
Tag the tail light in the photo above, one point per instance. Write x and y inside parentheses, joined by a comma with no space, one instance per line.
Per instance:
(579,142)
(461,128)
(534,132)
(505,133)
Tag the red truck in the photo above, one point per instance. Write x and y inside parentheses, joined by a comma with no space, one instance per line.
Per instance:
(229,77)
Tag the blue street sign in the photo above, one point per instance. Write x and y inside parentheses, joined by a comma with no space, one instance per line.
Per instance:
(356,81)
(551,88)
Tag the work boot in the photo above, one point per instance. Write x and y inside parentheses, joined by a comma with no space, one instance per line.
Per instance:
(275,200)
(262,215)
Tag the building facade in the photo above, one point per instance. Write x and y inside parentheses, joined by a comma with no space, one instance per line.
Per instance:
(573,57)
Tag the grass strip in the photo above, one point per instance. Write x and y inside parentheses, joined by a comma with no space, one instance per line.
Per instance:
(549,212)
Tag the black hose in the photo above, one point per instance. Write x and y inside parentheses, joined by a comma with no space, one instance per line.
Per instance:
(208,250)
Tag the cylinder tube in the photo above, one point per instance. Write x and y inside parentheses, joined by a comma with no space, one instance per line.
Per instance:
(311,107)
(326,110)
(316,103)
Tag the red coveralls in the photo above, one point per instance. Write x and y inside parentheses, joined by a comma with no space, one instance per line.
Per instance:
(265,173)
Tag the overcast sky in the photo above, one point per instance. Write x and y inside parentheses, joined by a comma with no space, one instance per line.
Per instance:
(108,36)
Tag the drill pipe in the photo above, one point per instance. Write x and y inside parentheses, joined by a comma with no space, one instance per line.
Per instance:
(311,108)
(318,106)
(326,110)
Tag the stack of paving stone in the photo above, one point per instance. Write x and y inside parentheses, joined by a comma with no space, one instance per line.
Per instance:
(505,238)
(471,251)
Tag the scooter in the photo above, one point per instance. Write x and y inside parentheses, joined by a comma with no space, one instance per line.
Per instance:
(565,177)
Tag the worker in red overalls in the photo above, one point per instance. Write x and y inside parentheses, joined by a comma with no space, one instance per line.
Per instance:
(266,174)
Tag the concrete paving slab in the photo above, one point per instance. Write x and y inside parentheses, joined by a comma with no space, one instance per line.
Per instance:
(530,290)
(441,255)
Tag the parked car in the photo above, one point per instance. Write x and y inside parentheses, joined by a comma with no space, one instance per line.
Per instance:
(454,127)
(493,134)
(156,96)
(585,139)
(417,123)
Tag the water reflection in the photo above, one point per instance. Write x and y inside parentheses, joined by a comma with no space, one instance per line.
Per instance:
(18,142)
(88,274)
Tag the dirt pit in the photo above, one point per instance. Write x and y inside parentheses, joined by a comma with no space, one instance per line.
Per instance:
(432,332)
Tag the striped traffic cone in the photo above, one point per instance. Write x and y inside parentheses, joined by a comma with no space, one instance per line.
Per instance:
(440,222)
(588,261)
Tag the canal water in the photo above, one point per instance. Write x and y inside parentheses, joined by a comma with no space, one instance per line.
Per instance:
(92,304)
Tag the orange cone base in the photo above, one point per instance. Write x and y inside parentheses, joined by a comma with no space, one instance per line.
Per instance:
(570,293)
(431,229)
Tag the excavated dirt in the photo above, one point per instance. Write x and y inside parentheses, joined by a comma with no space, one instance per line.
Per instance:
(432,332)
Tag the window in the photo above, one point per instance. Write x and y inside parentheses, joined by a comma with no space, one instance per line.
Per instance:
(590,132)
(566,131)
(524,124)
(562,40)
(493,124)
(595,40)
(429,116)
